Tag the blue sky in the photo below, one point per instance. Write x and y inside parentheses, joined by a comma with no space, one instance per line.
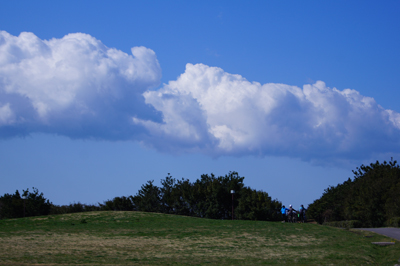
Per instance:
(97,97)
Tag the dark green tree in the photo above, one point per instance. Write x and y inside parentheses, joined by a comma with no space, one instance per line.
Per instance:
(76,207)
(119,204)
(182,194)
(207,197)
(332,205)
(167,196)
(372,193)
(11,206)
(257,205)
(15,206)
(372,197)
(211,197)
(148,198)
(36,203)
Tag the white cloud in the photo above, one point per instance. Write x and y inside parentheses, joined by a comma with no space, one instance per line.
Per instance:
(224,114)
(75,85)
(78,87)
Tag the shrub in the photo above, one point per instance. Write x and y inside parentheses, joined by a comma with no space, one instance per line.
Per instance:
(394,222)
(29,204)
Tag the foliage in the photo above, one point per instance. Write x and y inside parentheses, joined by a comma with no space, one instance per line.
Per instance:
(372,197)
(148,198)
(74,208)
(207,197)
(213,197)
(118,204)
(257,205)
(29,204)
(393,222)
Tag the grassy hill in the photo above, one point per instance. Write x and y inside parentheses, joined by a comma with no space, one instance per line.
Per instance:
(129,238)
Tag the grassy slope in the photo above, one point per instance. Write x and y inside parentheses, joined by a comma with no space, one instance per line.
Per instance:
(157,239)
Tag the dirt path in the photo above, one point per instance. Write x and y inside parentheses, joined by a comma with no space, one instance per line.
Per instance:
(387,231)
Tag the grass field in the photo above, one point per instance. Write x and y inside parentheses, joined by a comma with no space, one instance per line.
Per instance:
(136,238)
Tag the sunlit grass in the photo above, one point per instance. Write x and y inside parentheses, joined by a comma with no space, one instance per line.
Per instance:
(118,238)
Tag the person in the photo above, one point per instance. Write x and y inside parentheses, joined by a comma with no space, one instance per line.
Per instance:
(302,213)
(284,212)
(291,214)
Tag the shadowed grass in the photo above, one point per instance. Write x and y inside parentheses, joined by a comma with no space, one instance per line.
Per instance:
(129,238)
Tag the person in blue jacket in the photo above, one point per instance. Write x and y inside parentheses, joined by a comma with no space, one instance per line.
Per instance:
(302,213)
(284,212)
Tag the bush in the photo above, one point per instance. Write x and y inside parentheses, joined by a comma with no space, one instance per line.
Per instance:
(371,197)
(74,208)
(29,204)
(393,222)
(119,204)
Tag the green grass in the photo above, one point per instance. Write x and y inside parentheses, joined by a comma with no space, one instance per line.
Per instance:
(136,238)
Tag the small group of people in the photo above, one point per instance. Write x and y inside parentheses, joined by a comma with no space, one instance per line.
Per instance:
(292,215)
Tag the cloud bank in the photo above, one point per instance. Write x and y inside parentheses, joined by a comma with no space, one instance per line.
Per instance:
(73,86)
(219,113)
(77,87)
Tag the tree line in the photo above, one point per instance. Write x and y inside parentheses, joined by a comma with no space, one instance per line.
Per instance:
(372,197)
(207,197)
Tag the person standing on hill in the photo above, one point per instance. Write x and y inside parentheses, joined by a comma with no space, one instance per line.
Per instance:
(291,214)
(284,212)
(302,212)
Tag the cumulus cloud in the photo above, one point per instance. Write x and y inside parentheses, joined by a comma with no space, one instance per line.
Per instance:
(78,87)
(219,113)
(75,86)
